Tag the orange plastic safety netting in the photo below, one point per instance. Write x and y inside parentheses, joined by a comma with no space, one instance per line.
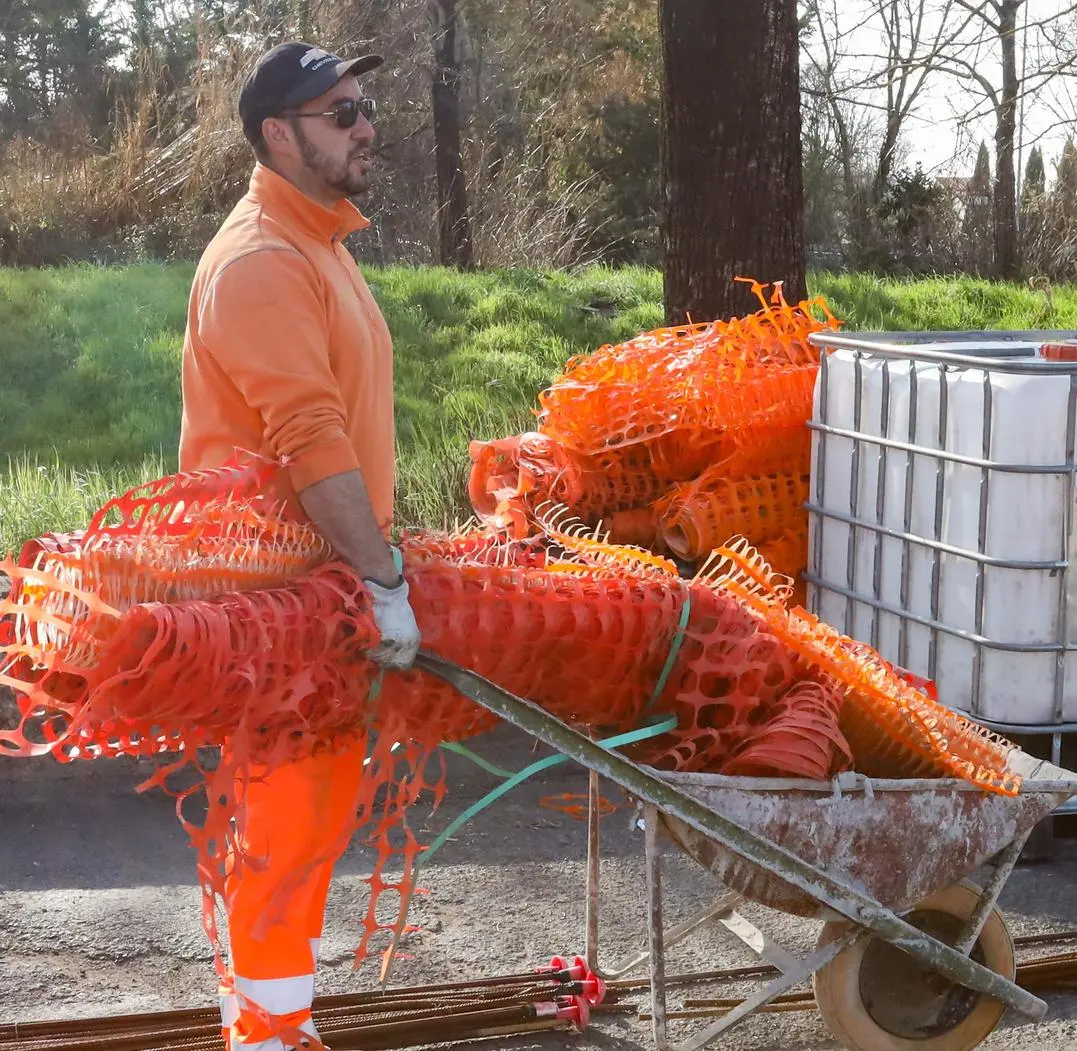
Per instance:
(705,377)
(892,728)
(676,440)
(190,613)
(511,476)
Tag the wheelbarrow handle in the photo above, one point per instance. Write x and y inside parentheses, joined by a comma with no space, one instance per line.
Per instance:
(844,898)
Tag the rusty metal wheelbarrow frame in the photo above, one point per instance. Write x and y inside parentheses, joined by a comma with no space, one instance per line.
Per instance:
(839,895)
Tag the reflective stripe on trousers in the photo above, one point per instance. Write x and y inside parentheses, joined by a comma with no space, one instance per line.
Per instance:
(297,817)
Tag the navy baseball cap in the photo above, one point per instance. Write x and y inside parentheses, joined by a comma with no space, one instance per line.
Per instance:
(289,75)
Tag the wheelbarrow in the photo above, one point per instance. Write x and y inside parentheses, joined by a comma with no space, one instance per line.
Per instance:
(911,953)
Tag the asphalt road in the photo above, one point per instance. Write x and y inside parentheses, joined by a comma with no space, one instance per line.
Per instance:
(99,908)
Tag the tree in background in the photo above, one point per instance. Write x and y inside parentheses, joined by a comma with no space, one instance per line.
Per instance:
(1061,216)
(454,222)
(1064,192)
(839,136)
(1035,182)
(977,222)
(118,136)
(731,154)
(1001,57)
(989,37)
(54,78)
(1033,203)
(619,153)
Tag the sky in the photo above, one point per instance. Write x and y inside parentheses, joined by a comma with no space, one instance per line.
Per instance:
(936,133)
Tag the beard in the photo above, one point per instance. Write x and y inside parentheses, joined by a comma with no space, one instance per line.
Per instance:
(335,173)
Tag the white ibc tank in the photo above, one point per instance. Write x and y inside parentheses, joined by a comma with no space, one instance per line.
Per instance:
(888,586)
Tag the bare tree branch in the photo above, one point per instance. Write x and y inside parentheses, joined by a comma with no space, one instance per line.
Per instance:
(978,11)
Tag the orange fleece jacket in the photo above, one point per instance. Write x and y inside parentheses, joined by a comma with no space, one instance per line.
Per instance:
(286,353)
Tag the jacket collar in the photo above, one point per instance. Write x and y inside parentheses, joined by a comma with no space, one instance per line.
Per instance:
(286,201)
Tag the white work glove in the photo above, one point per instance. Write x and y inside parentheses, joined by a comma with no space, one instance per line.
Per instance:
(396,621)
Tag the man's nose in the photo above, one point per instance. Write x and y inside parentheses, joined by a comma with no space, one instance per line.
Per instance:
(363,130)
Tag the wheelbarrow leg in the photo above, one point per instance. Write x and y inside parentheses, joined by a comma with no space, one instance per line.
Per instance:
(594,856)
(721,908)
(803,970)
(761,944)
(797,971)
(658,953)
(1004,866)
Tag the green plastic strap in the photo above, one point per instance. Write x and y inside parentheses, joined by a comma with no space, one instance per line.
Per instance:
(543,764)
(671,658)
(459,749)
(620,740)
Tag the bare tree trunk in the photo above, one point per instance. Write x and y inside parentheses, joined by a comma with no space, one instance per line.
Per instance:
(303,29)
(1005,131)
(731,154)
(893,113)
(43,74)
(454,222)
(886,156)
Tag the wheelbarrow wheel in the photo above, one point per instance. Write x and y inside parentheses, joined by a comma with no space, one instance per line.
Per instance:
(874,997)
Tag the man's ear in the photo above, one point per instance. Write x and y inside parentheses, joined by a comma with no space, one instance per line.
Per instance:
(277,134)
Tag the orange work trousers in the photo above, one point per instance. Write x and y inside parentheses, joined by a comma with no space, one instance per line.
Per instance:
(297,821)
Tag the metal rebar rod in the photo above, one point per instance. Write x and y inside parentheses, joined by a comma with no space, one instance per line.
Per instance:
(440,1024)
(138,1032)
(729,974)
(722,1012)
(1045,939)
(844,898)
(733,1001)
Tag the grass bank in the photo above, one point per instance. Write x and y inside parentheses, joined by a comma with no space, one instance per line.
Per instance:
(89,359)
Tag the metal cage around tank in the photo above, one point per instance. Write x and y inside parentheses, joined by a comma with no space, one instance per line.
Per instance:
(865,518)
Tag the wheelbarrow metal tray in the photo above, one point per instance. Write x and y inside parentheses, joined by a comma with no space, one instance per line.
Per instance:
(899,841)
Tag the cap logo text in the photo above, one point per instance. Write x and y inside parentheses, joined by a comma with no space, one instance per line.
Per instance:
(315,57)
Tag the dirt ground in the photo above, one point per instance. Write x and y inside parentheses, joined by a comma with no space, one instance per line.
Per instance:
(99,909)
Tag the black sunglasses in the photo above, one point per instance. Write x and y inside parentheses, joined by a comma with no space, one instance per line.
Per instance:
(346,112)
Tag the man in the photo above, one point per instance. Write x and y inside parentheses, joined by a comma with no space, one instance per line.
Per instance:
(287,354)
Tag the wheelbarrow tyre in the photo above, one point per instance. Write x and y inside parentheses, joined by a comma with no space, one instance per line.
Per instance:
(839,986)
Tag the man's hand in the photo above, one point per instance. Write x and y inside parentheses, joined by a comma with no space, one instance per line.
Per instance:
(340,509)
(396,621)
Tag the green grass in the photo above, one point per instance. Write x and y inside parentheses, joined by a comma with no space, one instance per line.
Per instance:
(89,403)
(39,496)
(943,304)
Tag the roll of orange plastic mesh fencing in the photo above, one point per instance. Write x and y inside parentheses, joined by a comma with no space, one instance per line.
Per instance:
(705,377)
(799,738)
(702,515)
(892,728)
(627,423)
(511,476)
(201,642)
